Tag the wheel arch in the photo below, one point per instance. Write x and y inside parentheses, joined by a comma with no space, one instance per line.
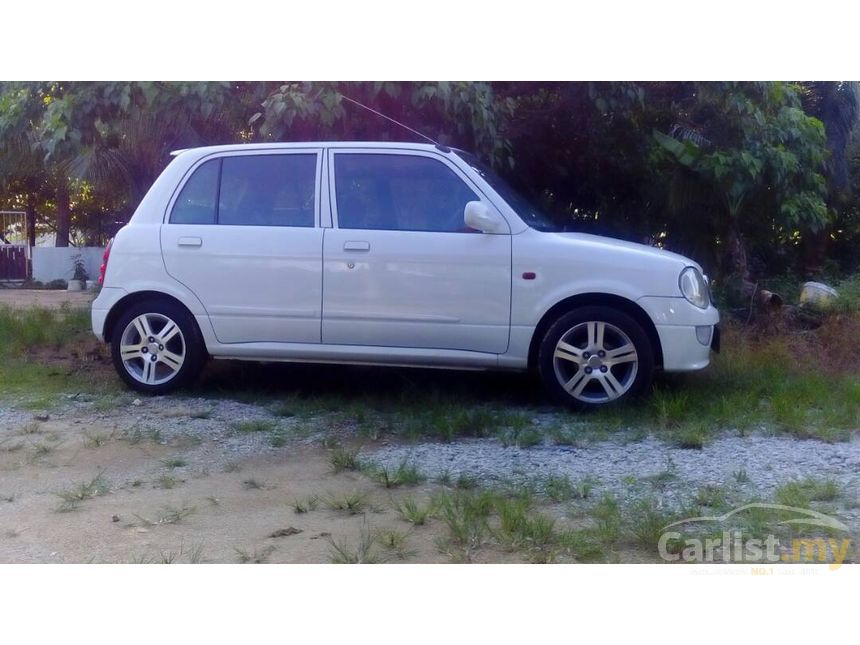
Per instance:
(140,296)
(600,299)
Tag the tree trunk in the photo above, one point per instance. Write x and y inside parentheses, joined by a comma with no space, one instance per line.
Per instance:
(814,253)
(30,211)
(63,213)
(30,226)
(738,286)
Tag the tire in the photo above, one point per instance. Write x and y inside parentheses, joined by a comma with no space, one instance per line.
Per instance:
(160,329)
(595,356)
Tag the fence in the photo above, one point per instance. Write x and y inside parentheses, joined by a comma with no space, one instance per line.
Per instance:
(13,262)
(13,253)
(13,228)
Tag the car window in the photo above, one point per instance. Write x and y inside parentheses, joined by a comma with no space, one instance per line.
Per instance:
(399,193)
(196,202)
(268,190)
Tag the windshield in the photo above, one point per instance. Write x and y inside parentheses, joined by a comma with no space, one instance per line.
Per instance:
(528,212)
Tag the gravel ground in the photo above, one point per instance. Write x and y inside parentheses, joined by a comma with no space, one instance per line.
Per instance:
(623,468)
(204,427)
(768,462)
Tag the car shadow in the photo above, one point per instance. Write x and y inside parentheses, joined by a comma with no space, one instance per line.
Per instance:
(242,380)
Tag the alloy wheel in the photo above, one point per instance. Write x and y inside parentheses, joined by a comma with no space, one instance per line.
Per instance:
(595,362)
(152,349)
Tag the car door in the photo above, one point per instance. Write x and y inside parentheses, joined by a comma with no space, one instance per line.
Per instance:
(400,268)
(243,234)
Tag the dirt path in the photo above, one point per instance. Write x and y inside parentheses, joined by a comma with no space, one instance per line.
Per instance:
(50,299)
(140,501)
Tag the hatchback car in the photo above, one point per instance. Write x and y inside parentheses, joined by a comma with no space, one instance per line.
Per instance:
(386,254)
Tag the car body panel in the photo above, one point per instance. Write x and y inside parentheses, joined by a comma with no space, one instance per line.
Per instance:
(443,290)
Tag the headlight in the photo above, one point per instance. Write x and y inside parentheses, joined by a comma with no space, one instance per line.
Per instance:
(694,288)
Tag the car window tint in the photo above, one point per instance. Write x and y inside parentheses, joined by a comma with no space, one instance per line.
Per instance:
(399,193)
(196,202)
(268,190)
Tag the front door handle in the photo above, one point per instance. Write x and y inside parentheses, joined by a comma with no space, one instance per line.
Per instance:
(190,241)
(356,246)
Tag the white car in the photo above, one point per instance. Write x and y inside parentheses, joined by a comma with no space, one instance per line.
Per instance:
(386,254)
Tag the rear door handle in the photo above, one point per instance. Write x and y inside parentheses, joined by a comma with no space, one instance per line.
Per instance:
(190,241)
(356,246)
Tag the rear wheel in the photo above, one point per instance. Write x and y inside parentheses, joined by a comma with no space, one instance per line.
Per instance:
(156,347)
(595,356)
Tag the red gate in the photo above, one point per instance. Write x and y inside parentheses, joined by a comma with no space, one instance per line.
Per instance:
(13,262)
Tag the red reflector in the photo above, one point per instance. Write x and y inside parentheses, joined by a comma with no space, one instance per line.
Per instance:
(529,275)
(103,267)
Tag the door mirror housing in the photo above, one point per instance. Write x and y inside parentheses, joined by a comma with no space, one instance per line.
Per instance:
(479,217)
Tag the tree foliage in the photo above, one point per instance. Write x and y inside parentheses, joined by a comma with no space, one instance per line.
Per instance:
(766,170)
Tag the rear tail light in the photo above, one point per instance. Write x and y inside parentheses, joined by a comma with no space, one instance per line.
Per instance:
(105,258)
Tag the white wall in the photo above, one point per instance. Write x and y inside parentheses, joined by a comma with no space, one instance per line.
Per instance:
(55,263)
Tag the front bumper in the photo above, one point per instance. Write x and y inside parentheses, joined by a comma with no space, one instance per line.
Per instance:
(677,322)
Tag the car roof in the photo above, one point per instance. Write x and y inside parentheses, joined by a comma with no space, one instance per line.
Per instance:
(278,145)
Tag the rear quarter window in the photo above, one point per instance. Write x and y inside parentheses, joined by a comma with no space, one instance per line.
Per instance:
(196,201)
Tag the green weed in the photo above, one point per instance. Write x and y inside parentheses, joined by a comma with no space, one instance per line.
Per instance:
(413,512)
(72,497)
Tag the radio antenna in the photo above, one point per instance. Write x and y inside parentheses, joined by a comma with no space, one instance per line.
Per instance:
(395,121)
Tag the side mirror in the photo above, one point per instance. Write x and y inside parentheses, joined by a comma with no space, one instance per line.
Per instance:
(479,217)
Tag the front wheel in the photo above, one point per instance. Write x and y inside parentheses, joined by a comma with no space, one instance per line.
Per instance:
(595,356)
(156,347)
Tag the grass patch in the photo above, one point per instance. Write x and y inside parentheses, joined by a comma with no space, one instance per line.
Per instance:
(191,555)
(741,476)
(394,542)
(466,482)
(73,496)
(169,515)
(645,521)
(296,406)
(662,480)
(476,519)
(174,462)
(351,504)
(36,383)
(413,512)
(466,515)
(803,492)
(691,436)
(98,439)
(257,556)
(344,459)
(447,421)
(24,329)
(560,488)
(360,553)
(712,496)
(305,505)
(404,475)
(166,482)
(606,516)
(278,439)
(525,531)
(41,450)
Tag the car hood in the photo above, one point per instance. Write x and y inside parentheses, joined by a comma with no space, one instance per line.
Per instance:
(612,246)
